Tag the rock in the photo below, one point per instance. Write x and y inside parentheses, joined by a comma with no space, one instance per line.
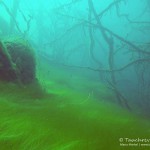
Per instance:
(17,61)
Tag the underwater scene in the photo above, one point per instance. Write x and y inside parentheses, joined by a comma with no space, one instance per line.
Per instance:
(74,74)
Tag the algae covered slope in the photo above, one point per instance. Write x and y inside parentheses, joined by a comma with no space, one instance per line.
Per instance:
(58,117)
(74,74)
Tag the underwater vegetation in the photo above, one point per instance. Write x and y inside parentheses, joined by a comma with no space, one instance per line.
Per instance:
(58,116)
(62,119)
(74,74)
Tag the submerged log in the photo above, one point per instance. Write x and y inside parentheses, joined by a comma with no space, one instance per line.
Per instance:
(17,62)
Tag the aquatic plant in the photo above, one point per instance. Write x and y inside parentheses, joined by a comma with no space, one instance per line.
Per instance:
(67,120)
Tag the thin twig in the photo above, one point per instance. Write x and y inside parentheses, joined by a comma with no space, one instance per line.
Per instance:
(11,15)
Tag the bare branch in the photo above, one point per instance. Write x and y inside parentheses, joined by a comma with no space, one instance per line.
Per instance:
(144,60)
(11,15)
(28,22)
(134,22)
(64,34)
(135,48)
(109,7)
(68,4)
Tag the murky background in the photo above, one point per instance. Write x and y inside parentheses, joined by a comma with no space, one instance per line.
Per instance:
(91,77)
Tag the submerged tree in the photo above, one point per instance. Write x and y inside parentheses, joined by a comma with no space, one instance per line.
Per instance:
(13,25)
(138,52)
(67,31)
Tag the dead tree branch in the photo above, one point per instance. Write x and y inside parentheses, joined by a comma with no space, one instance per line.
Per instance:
(114,70)
(11,15)
(109,7)
(28,22)
(92,42)
(109,40)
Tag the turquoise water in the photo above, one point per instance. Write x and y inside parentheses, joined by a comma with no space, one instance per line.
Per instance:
(74,74)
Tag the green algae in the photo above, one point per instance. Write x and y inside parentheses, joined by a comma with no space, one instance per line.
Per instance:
(57,117)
